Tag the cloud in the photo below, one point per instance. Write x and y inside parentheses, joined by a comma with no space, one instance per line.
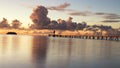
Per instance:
(111,21)
(89,13)
(39,17)
(76,13)
(16,24)
(108,15)
(4,23)
(61,7)
(100,13)
(112,16)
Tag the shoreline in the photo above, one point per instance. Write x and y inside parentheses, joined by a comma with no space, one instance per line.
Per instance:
(63,33)
(47,32)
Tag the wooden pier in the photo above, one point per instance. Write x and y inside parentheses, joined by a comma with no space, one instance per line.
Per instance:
(116,38)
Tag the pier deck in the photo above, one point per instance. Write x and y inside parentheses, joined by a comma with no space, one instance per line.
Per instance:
(117,38)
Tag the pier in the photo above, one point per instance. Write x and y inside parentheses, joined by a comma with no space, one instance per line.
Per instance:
(116,38)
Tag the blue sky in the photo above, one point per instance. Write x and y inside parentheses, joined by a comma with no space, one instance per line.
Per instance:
(82,10)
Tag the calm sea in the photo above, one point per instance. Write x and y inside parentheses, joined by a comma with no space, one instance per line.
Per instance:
(22,51)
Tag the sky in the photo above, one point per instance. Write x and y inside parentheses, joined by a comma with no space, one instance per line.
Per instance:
(99,12)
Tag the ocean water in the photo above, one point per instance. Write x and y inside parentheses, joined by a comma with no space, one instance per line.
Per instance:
(22,51)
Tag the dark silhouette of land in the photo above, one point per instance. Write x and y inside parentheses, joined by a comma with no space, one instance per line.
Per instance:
(11,33)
